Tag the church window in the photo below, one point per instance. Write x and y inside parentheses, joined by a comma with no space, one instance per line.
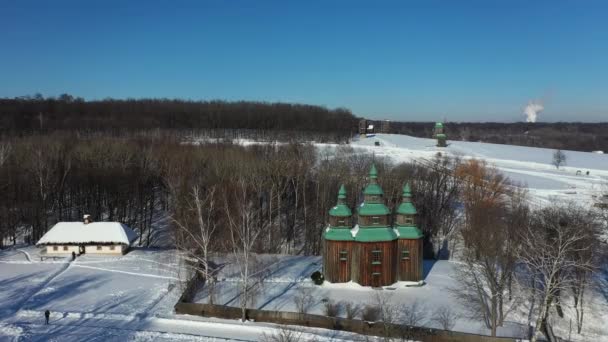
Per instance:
(375,220)
(405,254)
(343,255)
(376,257)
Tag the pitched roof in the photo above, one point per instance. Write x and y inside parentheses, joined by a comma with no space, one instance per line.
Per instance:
(92,233)
(376,234)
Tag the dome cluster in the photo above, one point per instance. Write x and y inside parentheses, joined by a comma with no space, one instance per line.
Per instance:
(382,247)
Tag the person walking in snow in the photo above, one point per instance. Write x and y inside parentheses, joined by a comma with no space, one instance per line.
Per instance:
(73,256)
(47,314)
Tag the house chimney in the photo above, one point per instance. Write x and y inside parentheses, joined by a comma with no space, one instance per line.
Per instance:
(87,219)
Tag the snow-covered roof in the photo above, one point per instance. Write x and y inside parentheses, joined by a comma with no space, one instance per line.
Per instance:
(94,232)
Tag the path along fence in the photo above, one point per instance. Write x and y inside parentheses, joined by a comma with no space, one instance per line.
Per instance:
(334,323)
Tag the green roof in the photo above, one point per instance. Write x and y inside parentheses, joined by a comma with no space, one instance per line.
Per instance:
(375,234)
(373,209)
(438,124)
(373,189)
(342,192)
(406,208)
(373,173)
(338,234)
(407,192)
(341,210)
(440,135)
(409,232)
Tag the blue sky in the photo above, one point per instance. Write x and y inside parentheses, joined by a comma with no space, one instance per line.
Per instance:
(406,60)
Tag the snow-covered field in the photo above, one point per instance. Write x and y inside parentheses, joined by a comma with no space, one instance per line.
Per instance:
(285,277)
(127,298)
(528,166)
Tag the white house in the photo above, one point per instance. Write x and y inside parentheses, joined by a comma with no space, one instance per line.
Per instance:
(88,237)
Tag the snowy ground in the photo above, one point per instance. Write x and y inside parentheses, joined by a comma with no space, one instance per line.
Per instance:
(108,299)
(284,277)
(287,276)
(527,166)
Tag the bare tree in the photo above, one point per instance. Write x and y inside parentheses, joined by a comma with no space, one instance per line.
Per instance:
(332,309)
(445,317)
(286,334)
(5,151)
(559,158)
(388,312)
(588,251)
(413,315)
(244,232)
(548,246)
(436,195)
(352,310)
(304,299)
(490,243)
(197,236)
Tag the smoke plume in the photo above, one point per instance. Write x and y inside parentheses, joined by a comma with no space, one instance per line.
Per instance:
(532,110)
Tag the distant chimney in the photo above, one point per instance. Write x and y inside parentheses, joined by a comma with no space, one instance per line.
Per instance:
(87,219)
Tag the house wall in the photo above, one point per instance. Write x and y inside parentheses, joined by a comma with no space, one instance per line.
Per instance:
(410,269)
(61,250)
(364,268)
(93,249)
(337,270)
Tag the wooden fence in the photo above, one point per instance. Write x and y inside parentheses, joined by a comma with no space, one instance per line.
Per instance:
(334,323)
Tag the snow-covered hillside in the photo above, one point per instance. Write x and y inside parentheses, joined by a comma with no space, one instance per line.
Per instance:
(527,166)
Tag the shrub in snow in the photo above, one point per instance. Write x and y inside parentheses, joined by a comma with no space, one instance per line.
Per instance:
(352,310)
(413,315)
(317,278)
(445,317)
(283,334)
(370,313)
(304,299)
(333,309)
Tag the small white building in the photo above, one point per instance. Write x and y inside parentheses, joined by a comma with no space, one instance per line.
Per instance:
(88,237)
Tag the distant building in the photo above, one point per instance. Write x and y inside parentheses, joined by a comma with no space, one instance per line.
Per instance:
(385,126)
(88,237)
(366,128)
(382,247)
(439,134)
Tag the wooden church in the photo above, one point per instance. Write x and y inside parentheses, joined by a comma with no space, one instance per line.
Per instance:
(381,248)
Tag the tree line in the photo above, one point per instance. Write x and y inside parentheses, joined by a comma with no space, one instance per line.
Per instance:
(576,136)
(27,114)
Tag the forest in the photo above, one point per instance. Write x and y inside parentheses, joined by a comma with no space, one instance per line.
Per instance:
(284,121)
